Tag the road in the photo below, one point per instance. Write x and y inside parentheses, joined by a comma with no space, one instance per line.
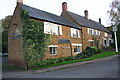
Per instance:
(102,69)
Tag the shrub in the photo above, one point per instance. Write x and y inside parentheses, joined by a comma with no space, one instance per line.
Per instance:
(81,55)
(91,50)
(99,50)
(87,53)
(96,49)
(68,58)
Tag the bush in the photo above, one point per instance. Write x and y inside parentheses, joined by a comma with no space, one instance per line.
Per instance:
(91,50)
(81,55)
(96,49)
(100,50)
(87,53)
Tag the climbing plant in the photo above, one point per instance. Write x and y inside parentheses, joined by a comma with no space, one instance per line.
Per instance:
(35,42)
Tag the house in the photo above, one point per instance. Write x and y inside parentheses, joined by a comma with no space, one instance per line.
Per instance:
(92,31)
(36,35)
(65,36)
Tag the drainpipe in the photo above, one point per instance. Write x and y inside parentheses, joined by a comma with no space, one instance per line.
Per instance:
(71,48)
(82,38)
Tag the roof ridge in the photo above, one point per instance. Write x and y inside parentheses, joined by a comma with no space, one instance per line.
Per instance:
(46,16)
(40,10)
(89,22)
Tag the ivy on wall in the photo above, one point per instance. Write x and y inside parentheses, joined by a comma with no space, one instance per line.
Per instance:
(35,42)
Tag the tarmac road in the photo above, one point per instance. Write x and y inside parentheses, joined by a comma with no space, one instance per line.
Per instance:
(101,69)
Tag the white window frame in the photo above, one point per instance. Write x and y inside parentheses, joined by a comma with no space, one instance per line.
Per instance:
(52,27)
(91,41)
(111,35)
(106,34)
(53,46)
(92,31)
(89,30)
(74,44)
(76,30)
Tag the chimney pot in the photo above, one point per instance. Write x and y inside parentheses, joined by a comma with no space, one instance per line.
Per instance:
(64,6)
(100,20)
(20,1)
(86,14)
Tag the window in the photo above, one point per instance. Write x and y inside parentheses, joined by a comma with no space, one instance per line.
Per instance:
(98,33)
(75,33)
(50,28)
(89,31)
(111,35)
(53,50)
(106,34)
(93,31)
(76,49)
(91,43)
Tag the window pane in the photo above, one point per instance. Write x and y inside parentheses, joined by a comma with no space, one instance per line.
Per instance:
(76,48)
(50,50)
(55,29)
(54,50)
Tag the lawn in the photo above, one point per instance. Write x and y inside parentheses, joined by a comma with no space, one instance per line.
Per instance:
(96,56)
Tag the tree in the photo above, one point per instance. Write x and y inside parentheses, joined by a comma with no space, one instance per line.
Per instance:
(114,15)
(5,24)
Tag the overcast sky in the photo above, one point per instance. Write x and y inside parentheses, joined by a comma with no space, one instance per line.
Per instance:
(96,8)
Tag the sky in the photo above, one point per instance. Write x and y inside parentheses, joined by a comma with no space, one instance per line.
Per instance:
(96,8)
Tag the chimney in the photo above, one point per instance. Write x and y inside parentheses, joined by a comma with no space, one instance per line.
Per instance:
(64,6)
(86,14)
(100,20)
(20,1)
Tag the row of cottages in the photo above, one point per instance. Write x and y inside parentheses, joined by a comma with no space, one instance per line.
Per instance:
(70,33)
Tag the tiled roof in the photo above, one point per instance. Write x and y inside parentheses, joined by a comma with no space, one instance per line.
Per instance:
(43,15)
(87,22)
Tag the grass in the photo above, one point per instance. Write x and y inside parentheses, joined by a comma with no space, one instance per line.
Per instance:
(96,56)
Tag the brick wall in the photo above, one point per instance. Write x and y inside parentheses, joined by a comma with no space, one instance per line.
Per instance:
(15,53)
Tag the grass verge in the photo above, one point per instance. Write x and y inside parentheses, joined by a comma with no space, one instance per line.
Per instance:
(96,56)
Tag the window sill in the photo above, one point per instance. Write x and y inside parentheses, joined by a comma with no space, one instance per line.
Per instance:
(53,54)
(76,52)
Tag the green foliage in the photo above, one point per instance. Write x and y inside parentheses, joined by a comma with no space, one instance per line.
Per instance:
(4,30)
(5,22)
(91,50)
(96,49)
(4,42)
(35,42)
(96,56)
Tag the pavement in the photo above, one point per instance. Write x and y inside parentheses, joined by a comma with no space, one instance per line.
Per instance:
(15,74)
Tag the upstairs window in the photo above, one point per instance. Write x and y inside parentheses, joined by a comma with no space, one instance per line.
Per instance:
(75,33)
(89,31)
(111,35)
(106,34)
(50,28)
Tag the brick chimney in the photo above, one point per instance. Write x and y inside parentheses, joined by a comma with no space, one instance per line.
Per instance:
(86,14)
(20,1)
(100,20)
(64,6)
